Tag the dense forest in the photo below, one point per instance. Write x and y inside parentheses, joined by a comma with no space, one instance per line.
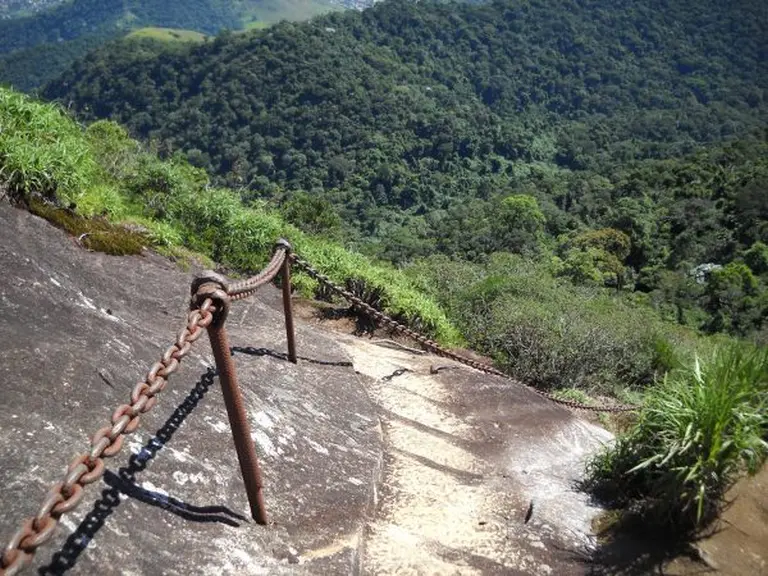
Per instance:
(621,145)
(36,47)
(12,8)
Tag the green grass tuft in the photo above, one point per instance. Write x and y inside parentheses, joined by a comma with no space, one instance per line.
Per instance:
(700,428)
(42,151)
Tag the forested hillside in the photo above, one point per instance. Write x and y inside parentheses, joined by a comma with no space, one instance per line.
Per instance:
(42,41)
(615,144)
(11,8)
(702,423)
(73,19)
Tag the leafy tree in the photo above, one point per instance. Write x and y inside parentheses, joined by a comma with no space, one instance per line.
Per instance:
(596,255)
(733,298)
(638,220)
(582,266)
(609,240)
(757,258)
(518,225)
(313,214)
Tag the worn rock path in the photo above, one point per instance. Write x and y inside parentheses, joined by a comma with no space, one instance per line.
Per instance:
(377,460)
(466,457)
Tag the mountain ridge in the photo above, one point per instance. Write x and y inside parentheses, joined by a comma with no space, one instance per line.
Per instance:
(36,47)
(399,114)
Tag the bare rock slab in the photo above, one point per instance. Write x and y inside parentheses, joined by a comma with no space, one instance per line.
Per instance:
(480,472)
(79,329)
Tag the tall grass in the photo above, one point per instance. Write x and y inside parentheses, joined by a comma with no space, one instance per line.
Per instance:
(107,174)
(42,150)
(701,428)
(214,221)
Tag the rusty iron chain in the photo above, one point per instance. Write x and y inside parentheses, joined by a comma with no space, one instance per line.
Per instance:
(244,288)
(433,346)
(240,289)
(211,296)
(88,467)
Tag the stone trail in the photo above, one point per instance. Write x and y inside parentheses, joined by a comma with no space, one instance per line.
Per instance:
(420,473)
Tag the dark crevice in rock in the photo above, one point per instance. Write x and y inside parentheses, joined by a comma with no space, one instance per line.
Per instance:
(251,351)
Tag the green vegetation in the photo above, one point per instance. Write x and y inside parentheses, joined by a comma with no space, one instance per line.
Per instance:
(168,34)
(101,174)
(596,138)
(29,68)
(36,47)
(701,427)
(42,151)
(550,333)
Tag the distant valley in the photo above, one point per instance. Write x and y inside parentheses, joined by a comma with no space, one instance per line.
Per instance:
(39,39)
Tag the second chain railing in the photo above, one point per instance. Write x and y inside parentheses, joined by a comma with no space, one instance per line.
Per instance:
(211,297)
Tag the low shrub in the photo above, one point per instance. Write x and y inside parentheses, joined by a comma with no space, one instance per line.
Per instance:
(549,333)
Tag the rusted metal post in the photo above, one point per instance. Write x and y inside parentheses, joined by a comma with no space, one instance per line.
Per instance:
(287,304)
(238,421)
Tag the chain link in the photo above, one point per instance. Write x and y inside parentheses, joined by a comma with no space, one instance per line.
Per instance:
(106,442)
(433,346)
(89,467)
(210,301)
(245,288)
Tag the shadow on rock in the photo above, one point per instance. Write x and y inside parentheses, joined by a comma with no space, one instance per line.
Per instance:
(251,351)
(124,482)
(627,548)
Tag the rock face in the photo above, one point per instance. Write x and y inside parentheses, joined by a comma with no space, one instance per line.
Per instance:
(80,329)
(480,472)
(738,542)
(376,460)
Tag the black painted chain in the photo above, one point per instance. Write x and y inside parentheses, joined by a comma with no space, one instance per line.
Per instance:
(89,467)
(433,346)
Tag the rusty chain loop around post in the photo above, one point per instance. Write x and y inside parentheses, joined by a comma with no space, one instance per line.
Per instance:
(244,288)
(211,296)
(240,289)
(433,346)
(213,286)
(88,467)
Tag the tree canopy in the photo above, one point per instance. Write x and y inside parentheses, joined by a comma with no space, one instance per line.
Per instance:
(36,46)
(636,129)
